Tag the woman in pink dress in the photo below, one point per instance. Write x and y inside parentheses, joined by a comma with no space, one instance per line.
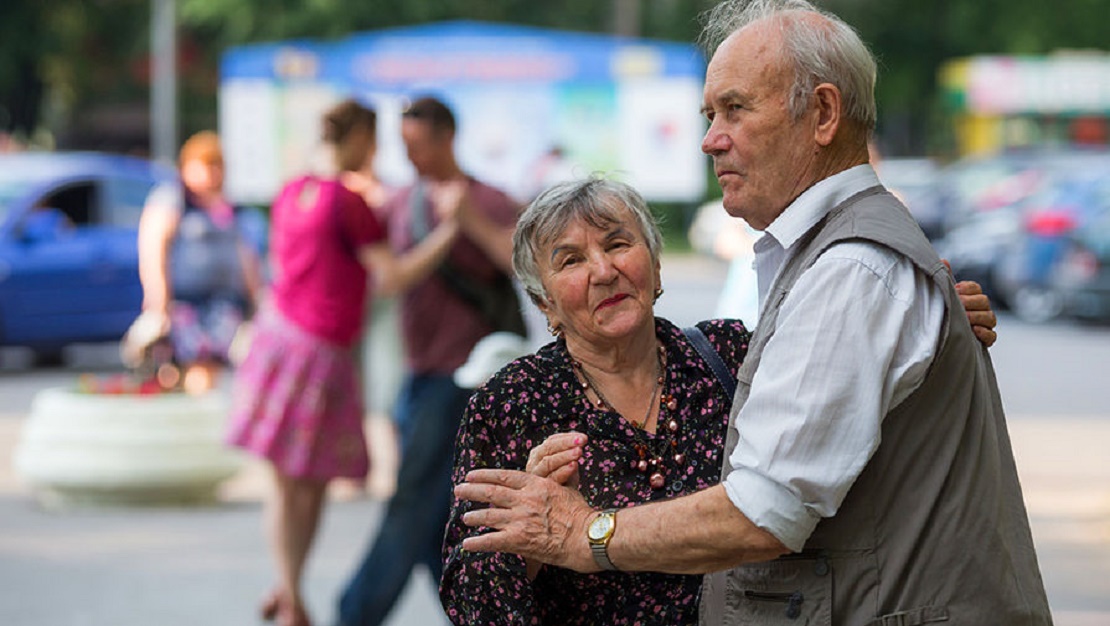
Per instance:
(297,399)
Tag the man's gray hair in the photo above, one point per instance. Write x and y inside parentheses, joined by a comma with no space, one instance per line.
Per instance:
(823,50)
(597,201)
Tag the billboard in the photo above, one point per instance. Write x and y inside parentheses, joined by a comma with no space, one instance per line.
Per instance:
(626,107)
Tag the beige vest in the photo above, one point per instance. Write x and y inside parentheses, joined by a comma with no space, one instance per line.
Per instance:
(934,530)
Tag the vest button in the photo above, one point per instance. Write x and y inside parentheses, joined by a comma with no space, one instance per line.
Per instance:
(821,567)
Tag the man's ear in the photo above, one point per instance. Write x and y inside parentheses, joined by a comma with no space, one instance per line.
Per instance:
(827,97)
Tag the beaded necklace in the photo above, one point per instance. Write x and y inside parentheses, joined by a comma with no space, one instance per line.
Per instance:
(646,456)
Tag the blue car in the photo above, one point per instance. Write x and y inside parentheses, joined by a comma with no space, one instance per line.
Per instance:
(68,254)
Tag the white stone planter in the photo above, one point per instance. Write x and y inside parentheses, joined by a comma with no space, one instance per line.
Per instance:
(91,449)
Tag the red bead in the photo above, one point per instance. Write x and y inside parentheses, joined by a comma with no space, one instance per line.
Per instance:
(657,481)
(680,458)
(672,404)
(641,465)
(672,425)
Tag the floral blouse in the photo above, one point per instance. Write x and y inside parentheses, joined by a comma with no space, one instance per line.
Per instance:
(538,396)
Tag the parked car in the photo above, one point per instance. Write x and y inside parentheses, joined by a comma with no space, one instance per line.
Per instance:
(1004,214)
(1082,276)
(1085,274)
(68,255)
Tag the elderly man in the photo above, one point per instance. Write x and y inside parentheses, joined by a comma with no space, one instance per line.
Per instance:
(868,478)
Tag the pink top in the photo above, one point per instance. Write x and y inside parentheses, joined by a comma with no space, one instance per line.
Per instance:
(439,327)
(319,283)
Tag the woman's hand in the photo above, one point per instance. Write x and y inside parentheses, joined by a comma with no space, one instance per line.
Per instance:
(449,198)
(557,458)
(978,308)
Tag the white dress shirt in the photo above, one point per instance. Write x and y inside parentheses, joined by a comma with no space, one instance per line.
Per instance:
(854,338)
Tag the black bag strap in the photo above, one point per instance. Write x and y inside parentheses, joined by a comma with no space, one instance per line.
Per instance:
(712,358)
(475,293)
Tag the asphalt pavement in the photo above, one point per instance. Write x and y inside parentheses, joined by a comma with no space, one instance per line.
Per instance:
(172,566)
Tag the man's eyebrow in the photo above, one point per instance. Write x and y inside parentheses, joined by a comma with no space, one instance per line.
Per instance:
(725,96)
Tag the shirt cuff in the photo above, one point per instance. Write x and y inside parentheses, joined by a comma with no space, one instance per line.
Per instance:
(771,506)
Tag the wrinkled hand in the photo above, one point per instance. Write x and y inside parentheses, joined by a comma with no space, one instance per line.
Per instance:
(531,516)
(978,308)
(557,458)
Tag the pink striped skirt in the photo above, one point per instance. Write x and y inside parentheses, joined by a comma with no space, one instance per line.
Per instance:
(297,403)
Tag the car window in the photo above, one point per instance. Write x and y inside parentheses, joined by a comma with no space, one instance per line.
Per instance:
(10,191)
(77,200)
(125,200)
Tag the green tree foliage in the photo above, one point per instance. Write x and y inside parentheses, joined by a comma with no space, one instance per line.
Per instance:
(57,52)
(67,58)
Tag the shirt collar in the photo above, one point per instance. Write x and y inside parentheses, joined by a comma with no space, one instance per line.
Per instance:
(815,202)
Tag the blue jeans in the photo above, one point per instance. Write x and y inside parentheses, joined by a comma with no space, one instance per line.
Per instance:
(411,533)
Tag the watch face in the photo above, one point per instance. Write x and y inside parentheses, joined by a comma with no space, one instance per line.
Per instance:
(601,527)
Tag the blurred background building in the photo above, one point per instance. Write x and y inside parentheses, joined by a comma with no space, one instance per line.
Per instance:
(1004,102)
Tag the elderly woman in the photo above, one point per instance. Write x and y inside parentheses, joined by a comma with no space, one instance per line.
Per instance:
(634,385)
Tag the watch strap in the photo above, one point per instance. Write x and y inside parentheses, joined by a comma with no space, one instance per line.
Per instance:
(600,549)
(601,556)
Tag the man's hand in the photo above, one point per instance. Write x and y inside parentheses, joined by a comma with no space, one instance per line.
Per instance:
(557,458)
(531,516)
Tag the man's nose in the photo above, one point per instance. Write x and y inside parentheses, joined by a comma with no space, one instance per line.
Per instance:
(715,141)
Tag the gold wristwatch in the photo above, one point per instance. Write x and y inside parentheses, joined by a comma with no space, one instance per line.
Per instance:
(598,533)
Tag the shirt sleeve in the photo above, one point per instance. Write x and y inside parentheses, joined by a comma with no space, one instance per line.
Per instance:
(854,338)
(484,588)
(361,225)
(497,205)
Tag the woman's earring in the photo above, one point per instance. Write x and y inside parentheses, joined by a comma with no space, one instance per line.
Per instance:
(658,292)
(552,329)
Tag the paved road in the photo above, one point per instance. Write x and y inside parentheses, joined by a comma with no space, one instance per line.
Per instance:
(208,565)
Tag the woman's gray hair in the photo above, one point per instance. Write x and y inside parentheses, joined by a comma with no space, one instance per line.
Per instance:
(597,201)
(825,50)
